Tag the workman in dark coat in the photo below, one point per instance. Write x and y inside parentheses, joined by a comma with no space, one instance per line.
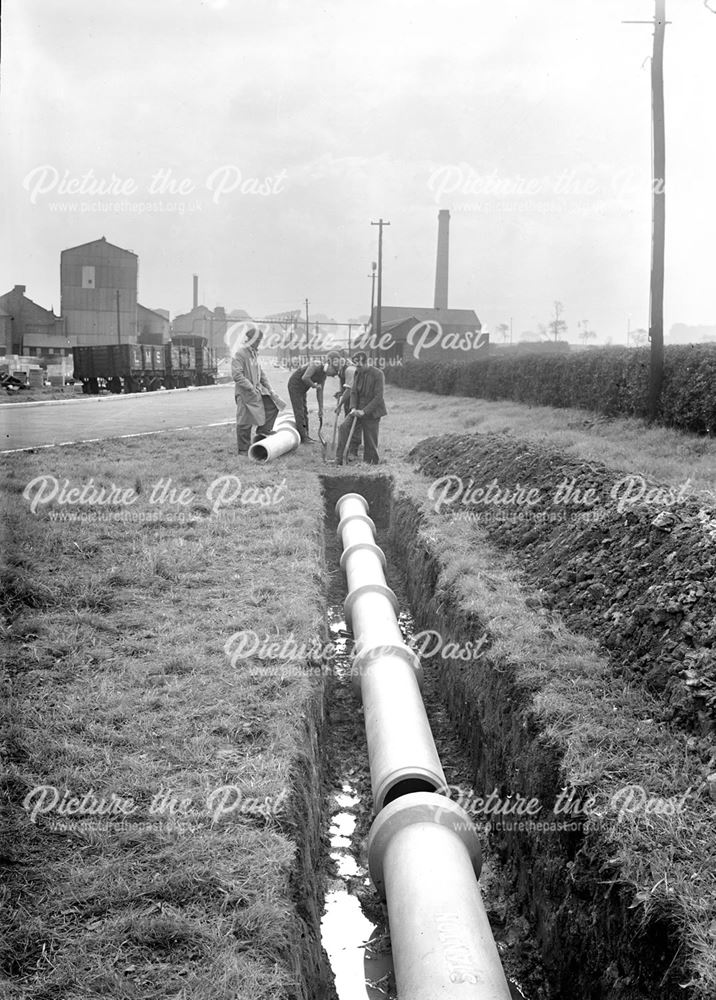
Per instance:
(257,405)
(367,406)
(310,376)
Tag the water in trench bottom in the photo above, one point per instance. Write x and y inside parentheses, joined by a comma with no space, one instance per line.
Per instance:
(358,948)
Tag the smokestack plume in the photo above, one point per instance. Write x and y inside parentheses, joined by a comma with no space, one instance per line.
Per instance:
(196,290)
(441,269)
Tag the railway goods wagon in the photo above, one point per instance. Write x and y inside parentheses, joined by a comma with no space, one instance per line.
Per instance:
(180,363)
(206,365)
(118,366)
(144,367)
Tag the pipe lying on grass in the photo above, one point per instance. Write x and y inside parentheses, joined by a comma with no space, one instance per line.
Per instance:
(401,749)
(283,438)
(424,859)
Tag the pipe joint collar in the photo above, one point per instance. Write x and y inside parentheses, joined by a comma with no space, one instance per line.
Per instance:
(367,656)
(414,808)
(351,496)
(362,545)
(355,517)
(368,588)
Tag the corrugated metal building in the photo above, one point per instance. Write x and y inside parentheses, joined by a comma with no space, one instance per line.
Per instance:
(94,278)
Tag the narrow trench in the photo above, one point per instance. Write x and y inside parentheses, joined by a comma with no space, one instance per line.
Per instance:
(354,929)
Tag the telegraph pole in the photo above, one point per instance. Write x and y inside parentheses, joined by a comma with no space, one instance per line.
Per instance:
(656,309)
(379,306)
(119,335)
(372,287)
(308,335)
(658,180)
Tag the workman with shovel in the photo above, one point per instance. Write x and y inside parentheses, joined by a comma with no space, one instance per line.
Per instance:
(366,409)
(310,376)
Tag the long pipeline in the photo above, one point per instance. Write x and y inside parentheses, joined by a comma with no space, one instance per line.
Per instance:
(423,849)
(401,749)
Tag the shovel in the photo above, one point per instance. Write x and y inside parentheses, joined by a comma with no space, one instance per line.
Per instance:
(329,451)
(350,438)
(321,436)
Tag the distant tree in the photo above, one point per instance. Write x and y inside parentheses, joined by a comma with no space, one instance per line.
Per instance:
(504,331)
(639,337)
(585,333)
(557,326)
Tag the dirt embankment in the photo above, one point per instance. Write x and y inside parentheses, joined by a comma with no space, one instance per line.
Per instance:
(620,909)
(628,562)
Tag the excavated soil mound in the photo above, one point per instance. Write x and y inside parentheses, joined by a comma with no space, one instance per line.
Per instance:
(624,560)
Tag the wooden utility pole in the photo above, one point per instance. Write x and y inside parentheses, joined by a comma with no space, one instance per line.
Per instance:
(372,287)
(658,223)
(656,303)
(308,335)
(119,336)
(379,305)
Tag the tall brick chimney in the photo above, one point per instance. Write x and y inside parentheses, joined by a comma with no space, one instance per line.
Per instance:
(196,291)
(441,269)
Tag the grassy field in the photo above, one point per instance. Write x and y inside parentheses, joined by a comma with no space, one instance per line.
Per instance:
(118,682)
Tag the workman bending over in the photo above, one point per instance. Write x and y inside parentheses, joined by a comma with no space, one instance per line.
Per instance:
(367,407)
(310,376)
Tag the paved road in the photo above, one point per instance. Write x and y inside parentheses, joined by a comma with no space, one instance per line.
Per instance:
(91,418)
(27,425)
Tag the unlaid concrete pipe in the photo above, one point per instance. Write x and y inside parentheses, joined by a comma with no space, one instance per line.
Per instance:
(401,749)
(283,438)
(424,858)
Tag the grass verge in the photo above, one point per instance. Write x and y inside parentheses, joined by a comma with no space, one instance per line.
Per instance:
(205,881)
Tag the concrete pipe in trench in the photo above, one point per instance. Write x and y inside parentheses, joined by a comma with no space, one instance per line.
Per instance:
(424,859)
(283,438)
(401,749)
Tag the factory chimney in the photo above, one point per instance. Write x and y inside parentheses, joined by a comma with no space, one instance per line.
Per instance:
(441,269)
(196,290)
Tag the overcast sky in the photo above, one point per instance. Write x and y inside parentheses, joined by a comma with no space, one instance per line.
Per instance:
(292,125)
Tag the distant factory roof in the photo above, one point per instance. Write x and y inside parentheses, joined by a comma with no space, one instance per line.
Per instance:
(446,317)
(21,290)
(102,239)
(154,311)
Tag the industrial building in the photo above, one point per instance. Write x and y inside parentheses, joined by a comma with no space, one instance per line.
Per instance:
(98,287)
(28,329)
(201,321)
(153,326)
(442,334)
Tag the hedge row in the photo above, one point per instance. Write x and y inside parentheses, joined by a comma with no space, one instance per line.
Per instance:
(612,381)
